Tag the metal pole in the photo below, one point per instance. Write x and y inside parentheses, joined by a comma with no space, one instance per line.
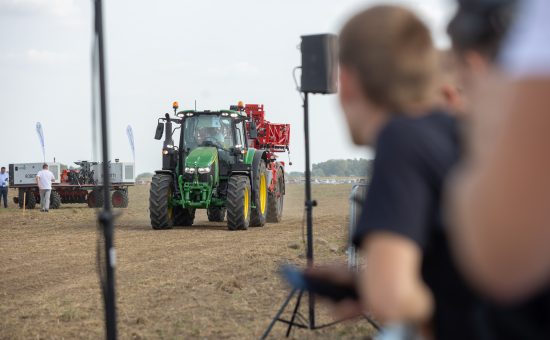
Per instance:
(106,216)
(309,209)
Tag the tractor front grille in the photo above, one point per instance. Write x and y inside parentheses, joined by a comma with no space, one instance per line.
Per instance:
(188,177)
(204,178)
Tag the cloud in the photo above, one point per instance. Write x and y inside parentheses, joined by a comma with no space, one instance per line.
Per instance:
(59,8)
(238,69)
(45,56)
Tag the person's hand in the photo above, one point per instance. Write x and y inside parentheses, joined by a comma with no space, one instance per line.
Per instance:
(339,274)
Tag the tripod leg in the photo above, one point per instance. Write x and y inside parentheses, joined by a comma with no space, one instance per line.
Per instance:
(278,315)
(372,322)
(294,313)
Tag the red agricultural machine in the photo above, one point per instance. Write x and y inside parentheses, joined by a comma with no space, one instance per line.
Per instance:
(271,137)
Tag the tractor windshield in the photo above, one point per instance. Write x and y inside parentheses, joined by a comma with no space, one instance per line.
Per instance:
(208,130)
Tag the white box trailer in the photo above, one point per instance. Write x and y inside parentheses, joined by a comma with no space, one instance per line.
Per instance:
(120,173)
(24,174)
(66,190)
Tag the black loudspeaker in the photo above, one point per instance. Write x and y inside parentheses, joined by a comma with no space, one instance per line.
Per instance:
(319,63)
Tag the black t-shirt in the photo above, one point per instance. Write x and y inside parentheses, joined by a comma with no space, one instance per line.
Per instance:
(413,158)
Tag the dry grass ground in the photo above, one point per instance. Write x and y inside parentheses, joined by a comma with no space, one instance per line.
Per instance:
(197,282)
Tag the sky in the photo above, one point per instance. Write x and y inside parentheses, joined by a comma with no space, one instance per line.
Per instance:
(214,52)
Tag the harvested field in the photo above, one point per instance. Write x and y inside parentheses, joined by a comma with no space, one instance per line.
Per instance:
(194,282)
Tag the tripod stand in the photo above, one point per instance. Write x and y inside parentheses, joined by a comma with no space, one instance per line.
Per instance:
(105,217)
(298,319)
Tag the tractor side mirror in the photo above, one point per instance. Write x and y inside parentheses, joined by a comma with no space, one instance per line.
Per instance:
(160,131)
(253,130)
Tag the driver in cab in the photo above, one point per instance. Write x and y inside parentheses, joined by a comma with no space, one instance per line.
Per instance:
(210,134)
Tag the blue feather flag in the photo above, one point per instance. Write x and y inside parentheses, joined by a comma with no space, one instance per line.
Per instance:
(40,133)
(130,134)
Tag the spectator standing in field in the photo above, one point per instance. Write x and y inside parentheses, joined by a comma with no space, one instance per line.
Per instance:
(4,178)
(44,179)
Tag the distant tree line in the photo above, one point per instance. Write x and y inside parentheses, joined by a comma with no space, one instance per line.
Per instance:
(340,168)
(146,176)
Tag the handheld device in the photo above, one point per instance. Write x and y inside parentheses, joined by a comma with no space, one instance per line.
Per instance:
(319,286)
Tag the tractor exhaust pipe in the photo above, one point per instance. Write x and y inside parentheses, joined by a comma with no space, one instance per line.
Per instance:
(168,128)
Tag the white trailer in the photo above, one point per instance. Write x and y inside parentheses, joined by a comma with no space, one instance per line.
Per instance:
(69,185)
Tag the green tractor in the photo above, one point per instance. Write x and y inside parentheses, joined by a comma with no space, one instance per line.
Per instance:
(224,162)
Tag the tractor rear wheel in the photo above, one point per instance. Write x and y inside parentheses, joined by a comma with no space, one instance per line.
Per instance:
(30,200)
(183,216)
(216,214)
(238,203)
(95,198)
(55,200)
(275,200)
(161,211)
(259,214)
(119,198)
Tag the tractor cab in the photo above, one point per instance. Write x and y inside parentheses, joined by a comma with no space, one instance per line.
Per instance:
(213,133)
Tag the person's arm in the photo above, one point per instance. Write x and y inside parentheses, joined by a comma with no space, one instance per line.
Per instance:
(37,180)
(394,227)
(391,285)
(501,198)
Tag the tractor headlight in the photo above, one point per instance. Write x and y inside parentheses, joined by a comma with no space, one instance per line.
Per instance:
(204,170)
(189,170)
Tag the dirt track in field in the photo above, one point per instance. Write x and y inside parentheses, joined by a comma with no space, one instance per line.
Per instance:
(195,282)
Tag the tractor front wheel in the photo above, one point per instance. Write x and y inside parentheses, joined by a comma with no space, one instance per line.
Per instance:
(161,211)
(216,214)
(276,199)
(238,203)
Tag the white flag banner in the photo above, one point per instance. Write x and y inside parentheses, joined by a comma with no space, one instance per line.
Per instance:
(40,133)
(130,134)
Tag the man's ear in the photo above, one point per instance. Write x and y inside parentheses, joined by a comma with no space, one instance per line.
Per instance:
(450,94)
(347,84)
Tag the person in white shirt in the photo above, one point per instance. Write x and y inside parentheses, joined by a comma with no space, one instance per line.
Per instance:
(44,179)
(4,177)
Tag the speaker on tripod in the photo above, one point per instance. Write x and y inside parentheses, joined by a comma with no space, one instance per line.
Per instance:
(319,76)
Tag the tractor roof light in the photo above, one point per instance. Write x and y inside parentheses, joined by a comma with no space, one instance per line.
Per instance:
(189,114)
(175,105)
(225,114)
(234,115)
